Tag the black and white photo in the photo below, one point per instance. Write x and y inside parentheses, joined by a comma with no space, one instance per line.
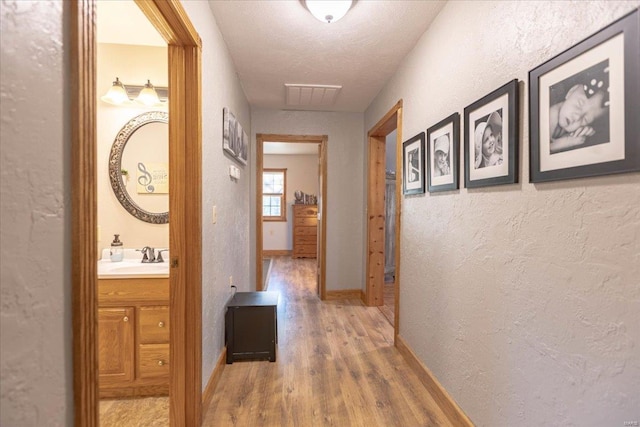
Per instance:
(442,154)
(488,140)
(579,109)
(234,139)
(413,165)
(584,107)
(491,138)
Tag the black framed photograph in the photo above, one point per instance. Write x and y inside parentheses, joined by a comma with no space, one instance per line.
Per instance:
(584,107)
(491,138)
(413,165)
(443,140)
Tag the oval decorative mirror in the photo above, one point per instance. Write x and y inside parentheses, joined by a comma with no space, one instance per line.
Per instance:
(139,175)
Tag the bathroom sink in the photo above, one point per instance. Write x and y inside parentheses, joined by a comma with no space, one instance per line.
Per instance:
(131,268)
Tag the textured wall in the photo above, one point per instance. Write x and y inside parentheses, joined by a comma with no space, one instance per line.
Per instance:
(225,245)
(35,350)
(301,175)
(523,300)
(345,184)
(133,65)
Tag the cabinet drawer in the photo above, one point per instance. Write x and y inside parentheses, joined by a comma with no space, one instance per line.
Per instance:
(306,210)
(153,325)
(153,360)
(305,221)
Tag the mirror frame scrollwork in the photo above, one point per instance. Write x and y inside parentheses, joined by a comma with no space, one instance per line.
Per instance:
(115,167)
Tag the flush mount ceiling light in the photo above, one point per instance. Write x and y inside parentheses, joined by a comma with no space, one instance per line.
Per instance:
(328,10)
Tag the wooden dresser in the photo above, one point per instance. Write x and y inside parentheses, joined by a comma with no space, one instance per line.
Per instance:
(133,337)
(305,231)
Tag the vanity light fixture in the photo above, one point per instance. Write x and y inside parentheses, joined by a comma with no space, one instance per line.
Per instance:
(147,95)
(117,94)
(328,10)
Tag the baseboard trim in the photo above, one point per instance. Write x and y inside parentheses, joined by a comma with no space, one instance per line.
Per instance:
(344,294)
(278,252)
(449,406)
(207,396)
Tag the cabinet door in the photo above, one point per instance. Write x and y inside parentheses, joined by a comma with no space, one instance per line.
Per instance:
(115,344)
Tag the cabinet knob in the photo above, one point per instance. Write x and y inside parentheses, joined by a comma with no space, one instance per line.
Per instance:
(160,362)
(125,319)
(160,324)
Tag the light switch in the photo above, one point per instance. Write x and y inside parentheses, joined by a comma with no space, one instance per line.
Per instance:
(214,215)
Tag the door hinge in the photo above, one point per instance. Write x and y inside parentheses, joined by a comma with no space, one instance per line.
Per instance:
(174,262)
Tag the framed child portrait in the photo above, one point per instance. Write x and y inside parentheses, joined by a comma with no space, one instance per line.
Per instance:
(443,140)
(491,138)
(584,106)
(413,165)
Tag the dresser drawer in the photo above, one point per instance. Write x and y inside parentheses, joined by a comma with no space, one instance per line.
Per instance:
(153,360)
(306,240)
(153,324)
(305,221)
(305,231)
(305,250)
(305,210)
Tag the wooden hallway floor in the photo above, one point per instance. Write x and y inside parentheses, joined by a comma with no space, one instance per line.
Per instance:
(336,366)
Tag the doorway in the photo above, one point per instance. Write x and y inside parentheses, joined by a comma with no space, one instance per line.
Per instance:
(171,21)
(377,221)
(321,142)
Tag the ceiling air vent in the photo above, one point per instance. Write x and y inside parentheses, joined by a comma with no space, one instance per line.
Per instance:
(311,95)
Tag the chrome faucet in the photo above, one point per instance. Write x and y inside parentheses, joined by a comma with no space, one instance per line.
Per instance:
(159,257)
(149,255)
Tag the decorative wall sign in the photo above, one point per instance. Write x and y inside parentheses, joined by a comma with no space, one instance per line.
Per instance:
(153,178)
(585,105)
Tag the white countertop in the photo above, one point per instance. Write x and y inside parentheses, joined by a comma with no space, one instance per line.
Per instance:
(131,266)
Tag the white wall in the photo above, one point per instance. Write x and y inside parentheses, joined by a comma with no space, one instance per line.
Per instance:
(345,197)
(225,245)
(523,299)
(302,174)
(133,65)
(35,322)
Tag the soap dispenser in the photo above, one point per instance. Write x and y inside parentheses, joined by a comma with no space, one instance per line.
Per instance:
(117,252)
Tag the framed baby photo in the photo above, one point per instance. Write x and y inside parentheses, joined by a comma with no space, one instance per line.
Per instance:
(584,108)
(413,165)
(443,140)
(491,138)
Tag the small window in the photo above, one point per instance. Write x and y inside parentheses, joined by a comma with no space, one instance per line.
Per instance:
(274,189)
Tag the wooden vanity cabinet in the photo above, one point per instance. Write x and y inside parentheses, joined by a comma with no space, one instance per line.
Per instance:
(305,231)
(133,337)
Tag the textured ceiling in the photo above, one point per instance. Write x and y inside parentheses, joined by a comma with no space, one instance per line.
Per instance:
(277,42)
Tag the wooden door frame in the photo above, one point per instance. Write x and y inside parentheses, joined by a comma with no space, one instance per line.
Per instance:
(185,206)
(322,140)
(376,139)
